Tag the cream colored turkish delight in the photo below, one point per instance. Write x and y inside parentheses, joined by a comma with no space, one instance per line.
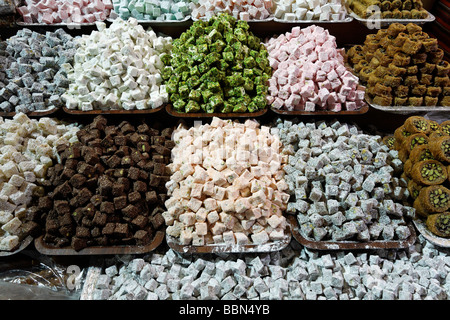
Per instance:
(227,201)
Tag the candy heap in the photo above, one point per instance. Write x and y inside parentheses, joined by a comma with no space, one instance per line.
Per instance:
(64,11)
(27,150)
(323,10)
(402,66)
(240,9)
(345,183)
(424,147)
(108,188)
(227,185)
(166,10)
(309,73)
(217,66)
(31,73)
(118,67)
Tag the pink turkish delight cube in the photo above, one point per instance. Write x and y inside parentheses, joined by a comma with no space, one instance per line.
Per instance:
(278,103)
(335,107)
(310,106)
(350,106)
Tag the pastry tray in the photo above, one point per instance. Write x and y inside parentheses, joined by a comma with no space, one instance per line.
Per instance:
(114,112)
(406,109)
(42,113)
(223,248)
(21,246)
(316,21)
(370,23)
(157,22)
(270,18)
(428,235)
(172,112)
(350,245)
(43,248)
(21,23)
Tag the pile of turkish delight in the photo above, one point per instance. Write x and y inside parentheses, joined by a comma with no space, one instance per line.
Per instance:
(64,11)
(345,183)
(27,150)
(227,185)
(309,73)
(32,77)
(118,67)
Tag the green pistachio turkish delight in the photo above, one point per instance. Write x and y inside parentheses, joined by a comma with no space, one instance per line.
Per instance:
(217,66)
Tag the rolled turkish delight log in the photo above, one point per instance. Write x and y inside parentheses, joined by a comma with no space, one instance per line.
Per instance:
(432,199)
(439,224)
(406,14)
(445,127)
(442,68)
(414,188)
(400,101)
(407,5)
(395,29)
(411,46)
(431,101)
(440,148)
(415,101)
(400,135)
(413,28)
(417,124)
(396,14)
(421,153)
(429,172)
(436,56)
(389,141)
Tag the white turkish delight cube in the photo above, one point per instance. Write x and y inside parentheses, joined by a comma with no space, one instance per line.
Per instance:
(194,204)
(260,238)
(219,193)
(12,225)
(227,206)
(201,215)
(5,217)
(218,228)
(186,237)
(201,228)
(9,242)
(228,237)
(209,188)
(187,218)
(212,217)
(196,190)
(198,240)
(241,238)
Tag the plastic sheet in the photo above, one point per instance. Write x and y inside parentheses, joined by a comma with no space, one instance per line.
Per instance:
(40,279)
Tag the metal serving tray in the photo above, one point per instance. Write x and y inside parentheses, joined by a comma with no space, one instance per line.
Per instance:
(45,249)
(349,245)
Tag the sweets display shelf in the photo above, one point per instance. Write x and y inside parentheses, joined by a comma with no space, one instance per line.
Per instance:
(350,245)
(171,111)
(44,113)
(319,112)
(407,110)
(49,250)
(373,23)
(271,246)
(112,112)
